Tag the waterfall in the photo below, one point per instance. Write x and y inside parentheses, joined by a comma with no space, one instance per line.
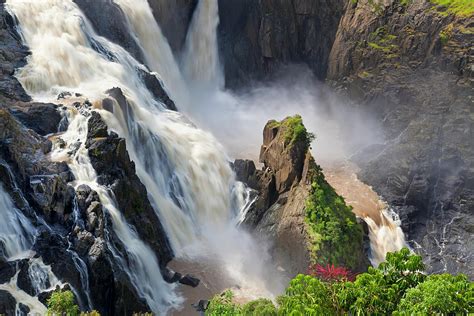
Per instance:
(385,237)
(155,47)
(142,266)
(35,306)
(16,231)
(201,53)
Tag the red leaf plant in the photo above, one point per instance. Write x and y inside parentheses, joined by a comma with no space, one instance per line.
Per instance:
(331,273)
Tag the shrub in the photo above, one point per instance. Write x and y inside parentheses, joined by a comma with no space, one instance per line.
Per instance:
(260,307)
(222,305)
(62,303)
(306,295)
(330,273)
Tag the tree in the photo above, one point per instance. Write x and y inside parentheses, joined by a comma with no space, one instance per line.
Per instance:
(62,303)
(442,294)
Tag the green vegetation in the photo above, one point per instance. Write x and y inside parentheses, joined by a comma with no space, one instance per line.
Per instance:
(334,232)
(456,7)
(397,287)
(222,305)
(382,41)
(261,306)
(62,303)
(446,33)
(294,131)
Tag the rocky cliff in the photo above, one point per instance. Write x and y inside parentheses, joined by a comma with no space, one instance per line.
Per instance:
(288,212)
(407,62)
(411,64)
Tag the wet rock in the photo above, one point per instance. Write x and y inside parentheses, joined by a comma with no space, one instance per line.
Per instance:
(43,118)
(110,159)
(201,306)
(23,309)
(156,88)
(7,271)
(113,26)
(7,303)
(96,126)
(189,280)
(12,55)
(171,276)
(84,240)
(24,282)
(423,167)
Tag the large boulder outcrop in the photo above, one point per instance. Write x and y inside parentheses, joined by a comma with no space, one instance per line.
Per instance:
(284,185)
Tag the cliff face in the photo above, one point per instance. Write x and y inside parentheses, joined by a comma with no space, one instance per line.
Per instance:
(257,37)
(411,65)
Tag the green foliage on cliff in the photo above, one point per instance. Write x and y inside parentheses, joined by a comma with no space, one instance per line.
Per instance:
(294,131)
(336,236)
(62,303)
(457,7)
(398,287)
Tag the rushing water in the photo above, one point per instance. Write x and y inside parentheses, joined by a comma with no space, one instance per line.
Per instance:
(16,231)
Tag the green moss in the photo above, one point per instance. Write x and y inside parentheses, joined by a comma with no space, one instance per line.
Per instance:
(456,7)
(294,131)
(446,34)
(335,235)
(383,41)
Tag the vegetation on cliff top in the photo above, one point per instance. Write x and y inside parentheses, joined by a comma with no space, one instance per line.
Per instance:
(294,131)
(398,287)
(457,7)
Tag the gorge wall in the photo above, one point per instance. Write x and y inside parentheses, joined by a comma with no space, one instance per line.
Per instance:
(410,64)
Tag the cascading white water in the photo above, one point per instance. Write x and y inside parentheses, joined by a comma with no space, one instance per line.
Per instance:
(35,306)
(201,64)
(156,50)
(16,231)
(142,266)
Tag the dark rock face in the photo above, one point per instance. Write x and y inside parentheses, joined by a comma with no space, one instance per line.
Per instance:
(43,118)
(112,25)
(7,303)
(173,17)
(12,55)
(397,64)
(257,37)
(156,89)
(110,159)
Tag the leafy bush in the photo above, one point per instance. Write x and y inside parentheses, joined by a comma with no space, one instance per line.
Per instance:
(306,295)
(222,305)
(442,294)
(261,307)
(378,291)
(62,303)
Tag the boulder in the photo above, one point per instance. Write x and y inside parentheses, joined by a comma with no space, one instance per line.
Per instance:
(7,303)
(189,280)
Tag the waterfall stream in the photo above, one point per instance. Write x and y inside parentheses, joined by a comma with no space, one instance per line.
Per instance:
(16,231)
